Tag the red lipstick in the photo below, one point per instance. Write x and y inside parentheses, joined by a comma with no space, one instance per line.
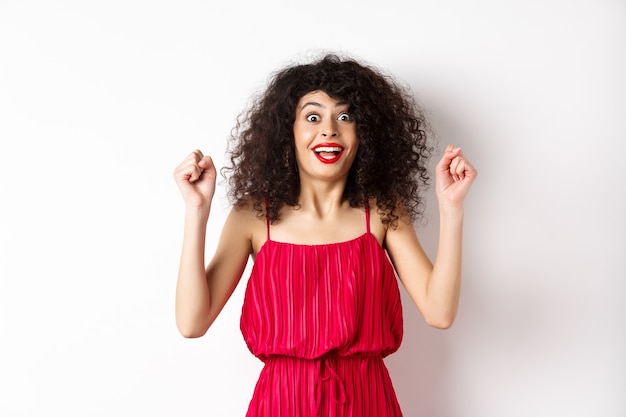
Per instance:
(328,153)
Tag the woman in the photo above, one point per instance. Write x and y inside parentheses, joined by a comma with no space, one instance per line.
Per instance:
(328,167)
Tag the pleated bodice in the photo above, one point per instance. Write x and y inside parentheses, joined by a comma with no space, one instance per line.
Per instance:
(322,317)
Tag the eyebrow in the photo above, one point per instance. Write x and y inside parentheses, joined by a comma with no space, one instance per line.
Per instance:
(316,104)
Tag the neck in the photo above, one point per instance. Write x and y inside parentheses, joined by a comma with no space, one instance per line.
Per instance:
(321,198)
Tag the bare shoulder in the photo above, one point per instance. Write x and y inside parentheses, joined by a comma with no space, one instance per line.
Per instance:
(383,231)
(246,220)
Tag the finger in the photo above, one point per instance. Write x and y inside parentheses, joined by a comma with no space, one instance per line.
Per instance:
(453,168)
(187,171)
(197,155)
(192,158)
(453,164)
(465,170)
(206,162)
(206,168)
(459,169)
(196,171)
(448,156)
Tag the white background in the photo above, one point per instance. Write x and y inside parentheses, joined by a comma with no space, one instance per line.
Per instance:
(99,101)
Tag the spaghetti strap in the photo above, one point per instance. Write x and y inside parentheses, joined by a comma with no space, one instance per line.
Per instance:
(367,217)
(267,221)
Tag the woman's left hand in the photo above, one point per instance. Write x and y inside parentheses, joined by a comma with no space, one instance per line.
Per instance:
(453,177)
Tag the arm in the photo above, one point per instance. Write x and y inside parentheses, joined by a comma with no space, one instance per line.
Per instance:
(202,293)
(435,288)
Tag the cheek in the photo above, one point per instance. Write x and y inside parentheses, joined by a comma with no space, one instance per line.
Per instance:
(300,133)
(300,145)
(356,144)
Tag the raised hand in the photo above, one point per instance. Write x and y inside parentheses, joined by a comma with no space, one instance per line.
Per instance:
(195,177)
(453,177)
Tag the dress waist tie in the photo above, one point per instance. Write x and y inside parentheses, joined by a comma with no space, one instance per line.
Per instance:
(326,370)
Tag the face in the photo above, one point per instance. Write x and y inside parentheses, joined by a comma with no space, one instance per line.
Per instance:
(325,137)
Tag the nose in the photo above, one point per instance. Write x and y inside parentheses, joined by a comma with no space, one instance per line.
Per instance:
(329,130)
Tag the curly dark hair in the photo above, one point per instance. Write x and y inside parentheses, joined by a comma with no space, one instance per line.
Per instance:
(390,164)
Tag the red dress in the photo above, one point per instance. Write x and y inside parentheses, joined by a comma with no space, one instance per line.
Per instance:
(322,318)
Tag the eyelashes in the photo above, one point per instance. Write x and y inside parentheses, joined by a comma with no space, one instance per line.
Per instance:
(343,117)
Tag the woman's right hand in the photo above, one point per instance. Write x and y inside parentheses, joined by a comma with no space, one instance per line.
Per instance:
(196,177)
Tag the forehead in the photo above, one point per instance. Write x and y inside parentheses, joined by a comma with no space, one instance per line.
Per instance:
(320,98)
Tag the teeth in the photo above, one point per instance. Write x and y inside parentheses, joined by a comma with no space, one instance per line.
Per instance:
(328,149)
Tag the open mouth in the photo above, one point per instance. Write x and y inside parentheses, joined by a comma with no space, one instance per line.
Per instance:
(328,153)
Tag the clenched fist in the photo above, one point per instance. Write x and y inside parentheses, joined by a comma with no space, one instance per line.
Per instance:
(454,176)
(196,177)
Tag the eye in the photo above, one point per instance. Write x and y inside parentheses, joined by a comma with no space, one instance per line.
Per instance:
(313,118)
(345,117)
